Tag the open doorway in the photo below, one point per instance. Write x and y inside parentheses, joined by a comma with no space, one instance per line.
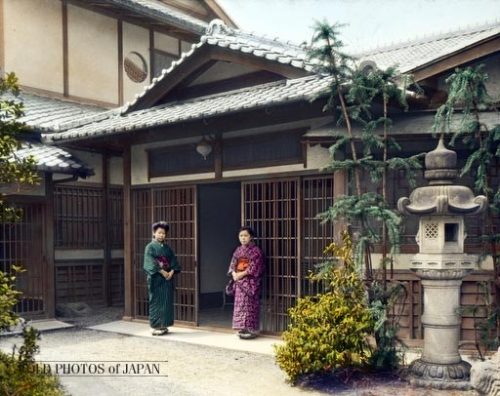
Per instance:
(219,218)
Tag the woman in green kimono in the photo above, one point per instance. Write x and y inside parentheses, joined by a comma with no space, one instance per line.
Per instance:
(160,265)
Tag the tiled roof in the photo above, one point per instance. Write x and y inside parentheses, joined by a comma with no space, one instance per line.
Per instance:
(285,91)
(420,123)
(161,12)
(219,35)
(48,114)
(52,159)
(415,54)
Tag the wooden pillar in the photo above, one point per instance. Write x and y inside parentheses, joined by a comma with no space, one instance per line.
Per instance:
(339,189)
(119,27)
(218,156)
(106,229)
(65,48)
(127,236)
(50,293)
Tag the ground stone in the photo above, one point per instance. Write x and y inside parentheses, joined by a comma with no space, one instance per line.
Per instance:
(485,376)
(70,310)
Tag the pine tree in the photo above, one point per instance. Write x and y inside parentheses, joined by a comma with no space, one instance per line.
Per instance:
(353,96)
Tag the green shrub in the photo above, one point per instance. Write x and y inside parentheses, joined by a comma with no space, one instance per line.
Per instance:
(19,372)
(330,330)
(21,375)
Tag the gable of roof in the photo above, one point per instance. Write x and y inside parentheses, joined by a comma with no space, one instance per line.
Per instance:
(415,55)
(213,45)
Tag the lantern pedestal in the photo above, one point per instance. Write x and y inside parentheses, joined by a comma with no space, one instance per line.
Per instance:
(441,366)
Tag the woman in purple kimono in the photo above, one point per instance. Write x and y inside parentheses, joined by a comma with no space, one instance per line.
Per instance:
(246,269)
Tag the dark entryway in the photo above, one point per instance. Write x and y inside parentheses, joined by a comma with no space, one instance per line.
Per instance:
(219,218)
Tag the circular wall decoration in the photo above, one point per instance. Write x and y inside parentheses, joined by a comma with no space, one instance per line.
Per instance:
(135,66)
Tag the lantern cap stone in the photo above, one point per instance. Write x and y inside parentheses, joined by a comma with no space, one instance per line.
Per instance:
(441,165)
(441,197)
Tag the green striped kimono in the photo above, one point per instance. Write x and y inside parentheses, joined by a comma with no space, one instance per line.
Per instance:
(160,290)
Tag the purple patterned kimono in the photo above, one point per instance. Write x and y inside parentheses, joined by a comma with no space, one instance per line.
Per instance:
(247,290)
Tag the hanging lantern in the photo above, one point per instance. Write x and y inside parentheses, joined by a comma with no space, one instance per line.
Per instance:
(204,148)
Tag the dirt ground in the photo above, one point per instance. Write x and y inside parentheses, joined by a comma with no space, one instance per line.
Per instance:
(188,369)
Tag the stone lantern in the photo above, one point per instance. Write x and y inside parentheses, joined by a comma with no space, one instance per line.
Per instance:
(441,264)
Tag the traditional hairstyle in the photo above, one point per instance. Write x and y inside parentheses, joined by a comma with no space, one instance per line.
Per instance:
(250,231)
(161,224)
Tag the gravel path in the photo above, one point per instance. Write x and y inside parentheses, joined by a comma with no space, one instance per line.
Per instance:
(190,369)
(185,369)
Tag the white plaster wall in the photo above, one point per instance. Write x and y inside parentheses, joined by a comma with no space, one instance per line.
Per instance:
(116,170)
(93,55)
(166,43)
(135,38)
(317,157)
(33,36)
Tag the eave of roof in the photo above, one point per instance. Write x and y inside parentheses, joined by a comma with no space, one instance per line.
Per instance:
(52,159)
(406,124)
(48,114)
(158,11)
(266,95)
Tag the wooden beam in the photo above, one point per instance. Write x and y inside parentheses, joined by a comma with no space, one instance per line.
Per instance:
(151,54)
(217,143)
(50,294)
(128,270)
(106,229)
(2,38)
(119,29)
(65,48)
(464,56)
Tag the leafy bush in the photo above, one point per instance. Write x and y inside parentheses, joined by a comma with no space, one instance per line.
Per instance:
(21,375)
(330,330)
(19,372)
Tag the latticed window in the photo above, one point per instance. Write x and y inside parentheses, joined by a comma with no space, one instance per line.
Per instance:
(78,217)
(431,231)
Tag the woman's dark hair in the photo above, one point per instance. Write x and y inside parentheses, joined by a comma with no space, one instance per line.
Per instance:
(161,224)
(250,231)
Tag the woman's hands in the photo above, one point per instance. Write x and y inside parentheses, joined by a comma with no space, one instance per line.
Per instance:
(239,275)
(167,274)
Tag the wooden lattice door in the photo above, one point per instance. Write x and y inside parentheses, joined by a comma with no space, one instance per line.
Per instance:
(22,243)
(272,209)
(177,206)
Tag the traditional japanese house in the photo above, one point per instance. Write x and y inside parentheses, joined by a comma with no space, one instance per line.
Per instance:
(234,133)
